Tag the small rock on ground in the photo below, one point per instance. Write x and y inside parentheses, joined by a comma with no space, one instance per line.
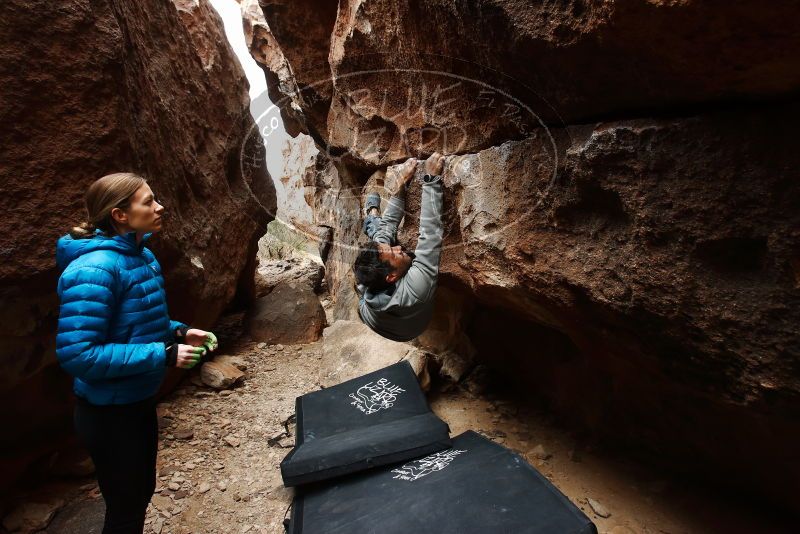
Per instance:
(32,516)
(598,508)
(220,375)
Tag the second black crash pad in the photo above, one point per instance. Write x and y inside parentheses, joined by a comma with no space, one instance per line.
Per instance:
(376,419)
(477,486)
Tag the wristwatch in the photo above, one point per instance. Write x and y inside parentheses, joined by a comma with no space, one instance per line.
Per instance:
(172,354)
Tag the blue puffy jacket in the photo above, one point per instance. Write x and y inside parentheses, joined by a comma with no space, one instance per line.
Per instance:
(113,321)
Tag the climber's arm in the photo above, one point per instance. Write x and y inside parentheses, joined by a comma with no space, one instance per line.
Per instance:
(393,215)
(391,218)
(420,280)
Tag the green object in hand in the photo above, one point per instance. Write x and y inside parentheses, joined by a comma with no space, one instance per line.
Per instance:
(199,353)
(211,342)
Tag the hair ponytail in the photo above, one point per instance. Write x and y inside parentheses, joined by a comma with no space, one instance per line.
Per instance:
(83,231)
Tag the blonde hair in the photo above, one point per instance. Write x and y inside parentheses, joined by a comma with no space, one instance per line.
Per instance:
(106,193)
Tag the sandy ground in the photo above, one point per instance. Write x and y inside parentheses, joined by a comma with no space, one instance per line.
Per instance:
(220,455)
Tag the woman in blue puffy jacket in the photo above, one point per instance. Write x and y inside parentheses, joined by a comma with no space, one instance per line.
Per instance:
(116,338)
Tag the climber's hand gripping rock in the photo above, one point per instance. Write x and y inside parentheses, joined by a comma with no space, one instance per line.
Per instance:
(434,165)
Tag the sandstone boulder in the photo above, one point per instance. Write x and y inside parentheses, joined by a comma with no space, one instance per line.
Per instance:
(492,71)
(351,349)
(235,361)
(150,87)
(300,270)
(291,313)
(605,265)
(31,517)
(220,375)
(446,339)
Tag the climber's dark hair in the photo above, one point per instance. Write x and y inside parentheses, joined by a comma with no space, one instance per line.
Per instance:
(369,269)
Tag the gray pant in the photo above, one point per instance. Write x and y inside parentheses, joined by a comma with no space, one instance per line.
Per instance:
(371,225)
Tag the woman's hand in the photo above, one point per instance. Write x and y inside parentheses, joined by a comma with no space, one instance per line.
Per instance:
(200,338)
(188,356)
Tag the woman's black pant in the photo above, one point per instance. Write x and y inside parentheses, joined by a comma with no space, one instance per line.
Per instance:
(123,443)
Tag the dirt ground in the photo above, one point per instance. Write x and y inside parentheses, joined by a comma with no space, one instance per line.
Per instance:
(220,454)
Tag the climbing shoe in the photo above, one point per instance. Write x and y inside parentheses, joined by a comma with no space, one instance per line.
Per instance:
(373,201)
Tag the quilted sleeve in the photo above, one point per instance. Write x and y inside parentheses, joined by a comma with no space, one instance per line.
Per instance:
(174,325)
(87,304)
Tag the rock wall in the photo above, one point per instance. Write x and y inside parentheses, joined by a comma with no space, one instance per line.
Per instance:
(100,87)
(620,207)
(479,68)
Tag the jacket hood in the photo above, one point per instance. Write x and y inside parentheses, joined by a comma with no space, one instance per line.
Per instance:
(68,249)
(379,299)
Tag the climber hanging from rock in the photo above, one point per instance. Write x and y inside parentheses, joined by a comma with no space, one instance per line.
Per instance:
(397,287)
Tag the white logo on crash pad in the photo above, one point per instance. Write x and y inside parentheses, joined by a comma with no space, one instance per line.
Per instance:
(425,466)
(375,396)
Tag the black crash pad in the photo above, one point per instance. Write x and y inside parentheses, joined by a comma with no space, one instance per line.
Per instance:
(477,486)
(377,419)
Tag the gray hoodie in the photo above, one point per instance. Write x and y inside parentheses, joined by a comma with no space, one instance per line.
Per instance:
(403,311)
